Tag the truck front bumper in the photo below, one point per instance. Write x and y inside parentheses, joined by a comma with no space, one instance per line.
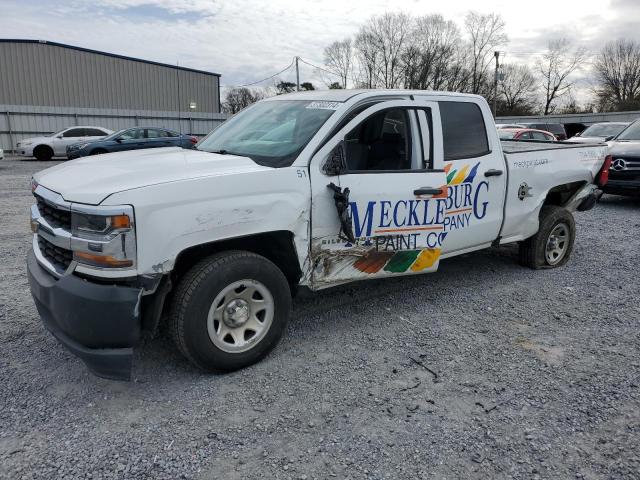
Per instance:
(98,323)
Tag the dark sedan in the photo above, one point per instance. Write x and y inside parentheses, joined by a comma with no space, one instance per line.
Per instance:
(132,139)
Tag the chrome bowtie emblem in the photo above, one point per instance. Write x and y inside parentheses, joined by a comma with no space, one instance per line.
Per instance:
(619,164)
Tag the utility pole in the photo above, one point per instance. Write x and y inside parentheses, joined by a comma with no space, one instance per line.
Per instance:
(495,84)
(297,75)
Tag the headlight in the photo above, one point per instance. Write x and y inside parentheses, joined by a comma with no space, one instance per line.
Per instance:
(103,237)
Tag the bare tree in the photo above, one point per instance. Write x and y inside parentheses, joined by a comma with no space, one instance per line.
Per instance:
(486,33)
(238,98)
(516,90)
(282,87)
(430,52)
(338,59)
(617,69)
(380,43)
(556,67)
(367,57)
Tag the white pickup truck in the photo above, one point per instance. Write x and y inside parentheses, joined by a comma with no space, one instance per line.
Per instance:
(310,189)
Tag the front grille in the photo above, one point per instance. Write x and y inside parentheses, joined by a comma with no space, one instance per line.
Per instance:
(59,257)
(56,217)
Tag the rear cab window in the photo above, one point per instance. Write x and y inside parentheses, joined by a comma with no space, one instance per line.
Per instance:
(464,132)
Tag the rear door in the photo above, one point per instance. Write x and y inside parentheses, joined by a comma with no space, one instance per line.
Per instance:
(381,212)
(475,176)
(157,137)
(69,137)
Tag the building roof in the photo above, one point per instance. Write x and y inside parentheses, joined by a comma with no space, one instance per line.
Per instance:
(114,55)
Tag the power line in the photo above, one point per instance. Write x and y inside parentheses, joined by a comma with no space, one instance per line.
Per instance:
(319,68)
(264,79)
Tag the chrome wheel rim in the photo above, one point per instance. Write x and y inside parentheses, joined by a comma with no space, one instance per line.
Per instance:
(557,244)
(240,316)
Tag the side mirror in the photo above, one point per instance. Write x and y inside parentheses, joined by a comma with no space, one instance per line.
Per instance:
(59,137)
(610,137)
(119,140)
(336,162)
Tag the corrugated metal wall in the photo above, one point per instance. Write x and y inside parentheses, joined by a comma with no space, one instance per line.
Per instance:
(46,74)
(19,121)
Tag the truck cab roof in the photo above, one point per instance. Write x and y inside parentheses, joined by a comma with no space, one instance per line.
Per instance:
(344,95)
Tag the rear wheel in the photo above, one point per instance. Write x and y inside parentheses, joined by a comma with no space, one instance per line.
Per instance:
(230,310)
(43,152)
(551,247)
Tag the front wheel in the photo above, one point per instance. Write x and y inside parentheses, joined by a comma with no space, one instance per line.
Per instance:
(552,245)
(230,310)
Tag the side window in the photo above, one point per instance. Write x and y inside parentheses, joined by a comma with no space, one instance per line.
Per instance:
(155,133)
(463,130)
(538,136)
(94,132)
(525,136)
(381,142)
(74,132)
(132,134)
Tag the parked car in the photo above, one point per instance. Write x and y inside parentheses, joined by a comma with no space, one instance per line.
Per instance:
(132,139)
(525,134)
(624,174)
(365,185)
(556,128)
(599,132)
(1,154)
(55,145)
(500,126)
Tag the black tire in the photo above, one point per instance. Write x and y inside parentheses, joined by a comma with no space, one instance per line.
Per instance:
(533,251)
(192,301)
(43,153)
(98,151)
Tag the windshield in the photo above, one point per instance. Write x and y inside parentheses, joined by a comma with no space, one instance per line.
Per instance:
(271,133)
(115,134)
(507,134)
(632,132)
(602,130)
(57,133)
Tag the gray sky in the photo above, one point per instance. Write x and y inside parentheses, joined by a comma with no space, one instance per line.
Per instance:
(246,40)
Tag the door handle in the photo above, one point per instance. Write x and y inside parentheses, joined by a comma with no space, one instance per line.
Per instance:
(493,173)
(427,191)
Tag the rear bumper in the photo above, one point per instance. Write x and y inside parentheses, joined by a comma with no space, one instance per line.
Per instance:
(100,324)
(622,187)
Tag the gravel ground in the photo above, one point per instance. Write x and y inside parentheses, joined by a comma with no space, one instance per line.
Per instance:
(482,370)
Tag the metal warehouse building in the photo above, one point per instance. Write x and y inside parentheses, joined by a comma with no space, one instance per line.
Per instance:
(48,86)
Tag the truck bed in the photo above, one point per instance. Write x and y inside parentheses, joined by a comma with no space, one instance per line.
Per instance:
(522,146)
(537,167)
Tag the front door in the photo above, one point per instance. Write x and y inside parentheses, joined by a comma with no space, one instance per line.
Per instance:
(382,212)
(69,137)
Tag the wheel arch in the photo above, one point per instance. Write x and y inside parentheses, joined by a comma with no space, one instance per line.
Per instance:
(561,195)
(43,146)
(277,246)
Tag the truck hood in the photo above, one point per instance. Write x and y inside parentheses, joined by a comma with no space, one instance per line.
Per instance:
(92,179)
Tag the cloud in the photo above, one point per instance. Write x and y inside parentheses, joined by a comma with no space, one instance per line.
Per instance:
(246,40)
